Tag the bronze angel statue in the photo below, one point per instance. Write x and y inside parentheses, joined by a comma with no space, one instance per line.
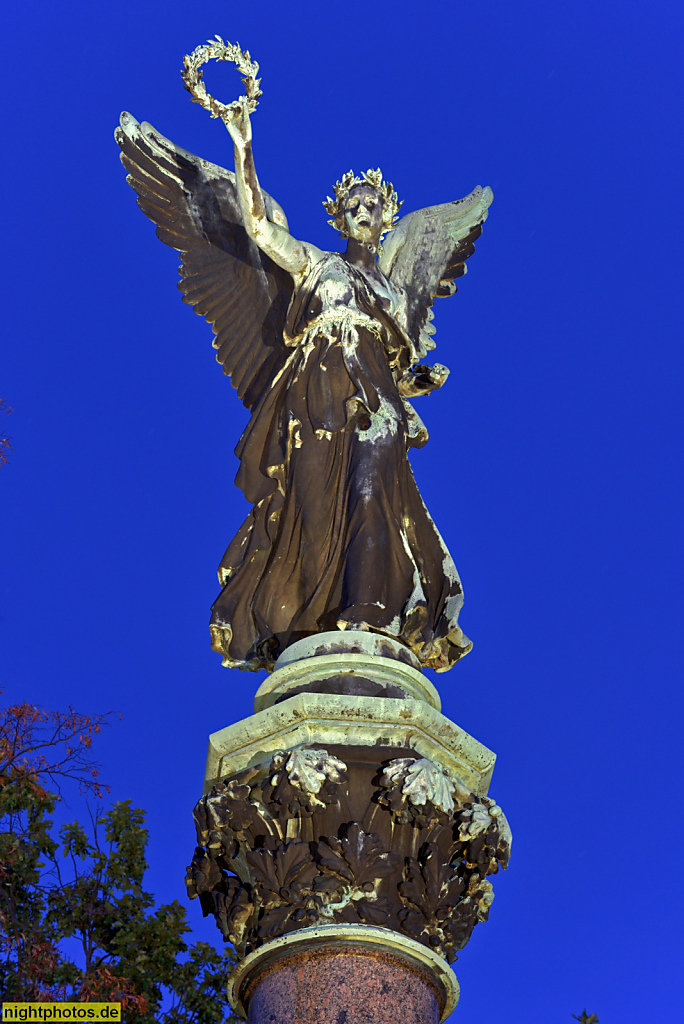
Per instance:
(325,349)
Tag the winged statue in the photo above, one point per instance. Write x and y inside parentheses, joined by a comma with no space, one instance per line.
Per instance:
(326,350)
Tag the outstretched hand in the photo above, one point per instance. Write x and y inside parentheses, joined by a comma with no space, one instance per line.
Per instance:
(237,121)
(438,374)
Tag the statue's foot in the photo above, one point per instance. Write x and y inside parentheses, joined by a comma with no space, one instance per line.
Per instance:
(356,626)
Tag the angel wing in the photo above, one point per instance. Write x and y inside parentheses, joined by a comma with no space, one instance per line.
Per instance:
(228,280)
(426,252)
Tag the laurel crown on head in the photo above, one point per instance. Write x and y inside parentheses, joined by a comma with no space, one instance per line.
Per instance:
(388,197)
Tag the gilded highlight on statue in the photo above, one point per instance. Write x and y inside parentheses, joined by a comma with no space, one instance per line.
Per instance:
(326,350)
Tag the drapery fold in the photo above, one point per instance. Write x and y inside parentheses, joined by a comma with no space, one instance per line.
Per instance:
(338,536)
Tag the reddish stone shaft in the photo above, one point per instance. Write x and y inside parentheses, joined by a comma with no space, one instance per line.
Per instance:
(342,987)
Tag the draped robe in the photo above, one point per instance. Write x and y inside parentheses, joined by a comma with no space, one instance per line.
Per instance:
(339,536)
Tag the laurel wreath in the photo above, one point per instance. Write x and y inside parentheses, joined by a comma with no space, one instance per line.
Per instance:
(391,203)
(216,49)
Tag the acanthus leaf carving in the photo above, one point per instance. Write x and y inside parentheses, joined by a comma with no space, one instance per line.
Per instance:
(352,867)
(373,912)
(265,866)
(203,874)
(425,781)
(227,806)
(221,894)
(233,909)
(432,892)
(359,857)
(473,820)
(420,790)
(485,900)
(303,780)
(283,872)
(283,879)
(486,851)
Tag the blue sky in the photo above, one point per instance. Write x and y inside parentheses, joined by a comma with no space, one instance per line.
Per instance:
(553,469)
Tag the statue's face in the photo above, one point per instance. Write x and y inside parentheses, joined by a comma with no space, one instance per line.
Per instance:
(363,214)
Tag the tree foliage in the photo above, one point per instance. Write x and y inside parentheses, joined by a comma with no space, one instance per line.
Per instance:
(76,922)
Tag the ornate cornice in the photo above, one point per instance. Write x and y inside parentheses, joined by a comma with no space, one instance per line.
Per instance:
(316,719)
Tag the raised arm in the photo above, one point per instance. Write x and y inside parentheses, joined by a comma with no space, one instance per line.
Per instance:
(275,240)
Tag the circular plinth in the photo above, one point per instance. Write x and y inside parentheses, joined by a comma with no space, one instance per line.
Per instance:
(353,973)
(348,641)
(347,663)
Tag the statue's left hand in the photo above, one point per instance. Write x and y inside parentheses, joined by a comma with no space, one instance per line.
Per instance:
(421,379)
(238,123)
(438,374)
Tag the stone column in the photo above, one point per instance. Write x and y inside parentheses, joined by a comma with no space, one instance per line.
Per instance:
(345,838)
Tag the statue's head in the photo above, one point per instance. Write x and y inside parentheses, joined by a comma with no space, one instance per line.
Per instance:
(363,208)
